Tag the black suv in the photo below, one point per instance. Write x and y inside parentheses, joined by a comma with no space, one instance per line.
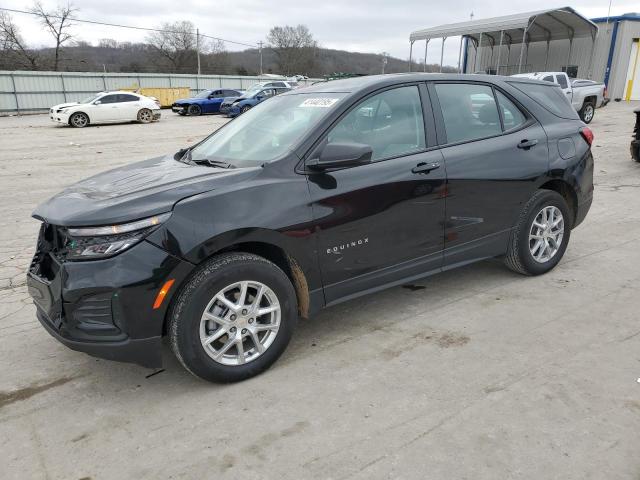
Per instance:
(309,199)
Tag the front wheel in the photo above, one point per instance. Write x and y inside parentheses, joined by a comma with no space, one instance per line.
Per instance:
(233,318)
(245,109)
(79,120)
(587,112)
(541,235)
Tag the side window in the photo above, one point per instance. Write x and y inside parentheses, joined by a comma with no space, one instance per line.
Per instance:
(390,123)
(267,93)
(548,78)
(127,98)
(562,81)
(512,116)
(469,111)
(109,99)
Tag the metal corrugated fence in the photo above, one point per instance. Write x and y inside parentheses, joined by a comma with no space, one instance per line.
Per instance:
(22,92)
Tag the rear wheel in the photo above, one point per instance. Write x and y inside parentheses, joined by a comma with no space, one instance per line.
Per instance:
(145,116)
(194,110)
(587,112)
(541,235)
(245,109)
(233,318)
(79,120)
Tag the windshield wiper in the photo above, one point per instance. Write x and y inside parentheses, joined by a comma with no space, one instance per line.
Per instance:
(213,163)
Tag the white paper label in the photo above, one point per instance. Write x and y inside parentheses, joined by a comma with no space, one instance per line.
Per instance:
(319,102)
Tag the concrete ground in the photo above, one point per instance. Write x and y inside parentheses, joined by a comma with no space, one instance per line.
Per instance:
(481,374)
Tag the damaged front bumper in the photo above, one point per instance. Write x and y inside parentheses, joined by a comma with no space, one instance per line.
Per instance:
(105,307)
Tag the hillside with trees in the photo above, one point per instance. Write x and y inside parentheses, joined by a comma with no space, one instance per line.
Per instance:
(173,48)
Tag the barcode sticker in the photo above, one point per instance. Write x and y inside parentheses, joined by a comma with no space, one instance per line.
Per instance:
(319,102)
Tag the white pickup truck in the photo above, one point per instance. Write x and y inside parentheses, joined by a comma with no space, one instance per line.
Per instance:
(584,95)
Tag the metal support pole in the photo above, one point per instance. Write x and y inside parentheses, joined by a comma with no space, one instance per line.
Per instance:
(570,49)
(477,60)
(198,48)
(444,39)
(546,56)
(499,52)
(426,49)
(104,82)
(64,90)
(410,53)
(260,53)
(593,48)
(15,92)
(460,54)
(524,36)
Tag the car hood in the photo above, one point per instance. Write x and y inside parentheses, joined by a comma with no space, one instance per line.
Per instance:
(65,105)
(135,191)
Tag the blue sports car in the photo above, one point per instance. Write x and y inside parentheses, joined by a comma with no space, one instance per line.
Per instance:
(252,98)
(207,101)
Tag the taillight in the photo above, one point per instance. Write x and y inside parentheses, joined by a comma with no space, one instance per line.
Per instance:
(587,134)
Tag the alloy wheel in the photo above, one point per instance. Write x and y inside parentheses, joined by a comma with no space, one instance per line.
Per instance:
(588,113)
(546,233)
(79,120)
(240,323)
(145,116)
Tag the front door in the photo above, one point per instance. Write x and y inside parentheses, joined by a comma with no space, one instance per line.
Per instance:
(493,157)
(382,222)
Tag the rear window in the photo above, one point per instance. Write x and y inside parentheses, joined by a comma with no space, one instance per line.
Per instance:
(550,97)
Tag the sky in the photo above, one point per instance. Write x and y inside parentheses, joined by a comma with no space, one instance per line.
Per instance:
(372,26)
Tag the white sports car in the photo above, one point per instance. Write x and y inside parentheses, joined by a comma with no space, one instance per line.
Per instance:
(107,107)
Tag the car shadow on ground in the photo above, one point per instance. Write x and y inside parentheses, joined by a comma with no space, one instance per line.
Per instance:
(334,326)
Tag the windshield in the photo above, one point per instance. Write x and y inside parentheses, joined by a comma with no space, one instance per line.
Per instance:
(267,131)
(203,94)
(90,99)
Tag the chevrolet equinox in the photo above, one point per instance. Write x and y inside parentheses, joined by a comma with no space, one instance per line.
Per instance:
(311,198)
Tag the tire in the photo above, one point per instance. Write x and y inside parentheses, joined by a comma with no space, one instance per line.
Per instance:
(79,120)
(521,252)
(182,114)
(145,116)
(188,328)
(245,109)
(194,110)
(587,112)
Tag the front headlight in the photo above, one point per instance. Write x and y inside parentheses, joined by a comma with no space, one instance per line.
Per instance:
(86,243)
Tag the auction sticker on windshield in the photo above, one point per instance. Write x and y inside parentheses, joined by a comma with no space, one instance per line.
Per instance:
(319,102)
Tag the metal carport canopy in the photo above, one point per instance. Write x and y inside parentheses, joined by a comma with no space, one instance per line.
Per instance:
(521,28)
(542,25)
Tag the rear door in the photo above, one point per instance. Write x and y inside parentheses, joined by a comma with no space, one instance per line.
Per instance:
(381,222)
(492,156)
(127,107)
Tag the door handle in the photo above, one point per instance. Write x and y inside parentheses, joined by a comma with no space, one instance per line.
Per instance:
(425,167)
(527,144)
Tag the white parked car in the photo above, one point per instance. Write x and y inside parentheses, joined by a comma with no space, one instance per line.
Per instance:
(107,107)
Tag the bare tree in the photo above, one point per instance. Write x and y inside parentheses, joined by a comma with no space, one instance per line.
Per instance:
(176,43)
(13,47)
(57,22)
(295,48)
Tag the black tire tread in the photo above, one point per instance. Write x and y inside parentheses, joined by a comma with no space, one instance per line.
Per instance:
(512,259)
(204,271)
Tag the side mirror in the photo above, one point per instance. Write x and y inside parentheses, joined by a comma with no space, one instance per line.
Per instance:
(97,102)
(341,155)
(260,98)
